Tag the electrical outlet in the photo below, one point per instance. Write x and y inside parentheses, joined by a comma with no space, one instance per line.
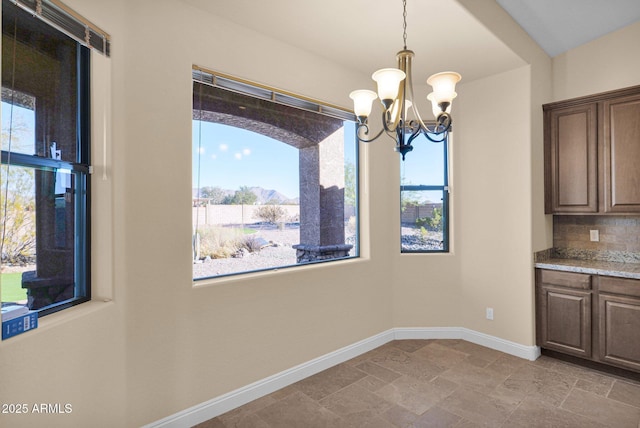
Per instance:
(594,235)
(490,313)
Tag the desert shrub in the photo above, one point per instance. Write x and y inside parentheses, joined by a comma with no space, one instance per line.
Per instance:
(250,243)
(271,213)
(18,215)
(222,252)
(218,242)
(432,223)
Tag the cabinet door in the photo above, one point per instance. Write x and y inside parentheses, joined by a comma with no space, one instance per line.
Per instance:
(621,155)
(620,331)
(564,320)
(619,321)
(571,153)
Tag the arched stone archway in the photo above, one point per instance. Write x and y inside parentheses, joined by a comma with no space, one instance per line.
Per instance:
(320,143)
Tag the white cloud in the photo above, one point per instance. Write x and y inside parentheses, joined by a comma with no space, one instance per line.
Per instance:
(238,156)
(223,147)
(201,150)
(214,156)
(246,152)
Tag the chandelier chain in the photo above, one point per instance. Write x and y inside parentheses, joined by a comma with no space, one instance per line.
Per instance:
(404,18)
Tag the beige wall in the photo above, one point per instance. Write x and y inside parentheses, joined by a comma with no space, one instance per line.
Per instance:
(608,63)
(159,344)
(494,210)
(498,216)
(490,265)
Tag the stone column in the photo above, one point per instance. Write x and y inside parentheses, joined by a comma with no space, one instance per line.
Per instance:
(322,200)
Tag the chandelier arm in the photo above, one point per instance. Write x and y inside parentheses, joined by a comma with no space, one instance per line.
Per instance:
(442,127)
(425,128)
(445,121)
(389,122)
(415,131)
(365,131)
(414,105)
(444,135)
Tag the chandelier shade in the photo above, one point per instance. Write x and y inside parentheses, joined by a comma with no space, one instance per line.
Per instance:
(444,86)
(388,80)
(362,101)
(395,91)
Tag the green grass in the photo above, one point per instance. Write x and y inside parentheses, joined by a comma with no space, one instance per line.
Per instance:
(12,290)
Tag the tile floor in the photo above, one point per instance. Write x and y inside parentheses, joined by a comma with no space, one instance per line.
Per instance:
(445,383)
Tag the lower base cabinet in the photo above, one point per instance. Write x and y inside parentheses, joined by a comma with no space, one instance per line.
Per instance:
(564,312)
(619,322)
(589,316)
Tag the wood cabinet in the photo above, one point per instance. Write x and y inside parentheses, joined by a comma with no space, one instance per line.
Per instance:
(621,154)
(592,149)
(619,322)
(564,312)
(589,316)
(572,158)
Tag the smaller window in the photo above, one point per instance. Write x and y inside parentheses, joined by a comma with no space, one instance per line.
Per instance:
(424,198)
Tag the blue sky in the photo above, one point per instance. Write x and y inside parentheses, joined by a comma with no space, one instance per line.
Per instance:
(24,119)
(233,157)
(424,164)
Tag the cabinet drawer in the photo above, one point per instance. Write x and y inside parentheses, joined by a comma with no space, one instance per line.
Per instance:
(613,285)
(581,281)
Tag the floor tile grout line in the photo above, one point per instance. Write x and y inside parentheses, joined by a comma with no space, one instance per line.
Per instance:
(568,393)
(611,389)
(589,417)
(615,399)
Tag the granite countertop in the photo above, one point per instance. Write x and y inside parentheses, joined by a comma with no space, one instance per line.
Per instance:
(593,267)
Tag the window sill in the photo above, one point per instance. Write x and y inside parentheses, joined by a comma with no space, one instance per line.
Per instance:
(290,270)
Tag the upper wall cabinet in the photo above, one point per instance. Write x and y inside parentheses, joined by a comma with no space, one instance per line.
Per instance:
(592,153)
(621,154)
(571,165)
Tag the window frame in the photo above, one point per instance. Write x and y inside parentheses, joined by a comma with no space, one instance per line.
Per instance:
(80,168)
(445,189)
(207,77)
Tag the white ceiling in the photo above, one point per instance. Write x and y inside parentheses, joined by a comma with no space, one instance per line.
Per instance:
(560,25)
(365,35)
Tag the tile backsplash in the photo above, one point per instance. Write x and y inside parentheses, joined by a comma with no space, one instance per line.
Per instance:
(619,237)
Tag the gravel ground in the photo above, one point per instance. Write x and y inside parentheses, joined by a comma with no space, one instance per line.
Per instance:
(284,255)
(412,240)
(281,255)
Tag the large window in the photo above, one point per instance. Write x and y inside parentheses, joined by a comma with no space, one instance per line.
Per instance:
(424,195)
(44,197)
(274,179)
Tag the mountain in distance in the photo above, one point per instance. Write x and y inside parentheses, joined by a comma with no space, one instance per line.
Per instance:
(263,195)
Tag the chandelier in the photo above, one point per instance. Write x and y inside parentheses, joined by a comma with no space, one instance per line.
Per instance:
(395,90)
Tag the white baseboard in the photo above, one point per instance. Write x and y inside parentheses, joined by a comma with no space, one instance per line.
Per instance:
(224,403)
(530,353)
